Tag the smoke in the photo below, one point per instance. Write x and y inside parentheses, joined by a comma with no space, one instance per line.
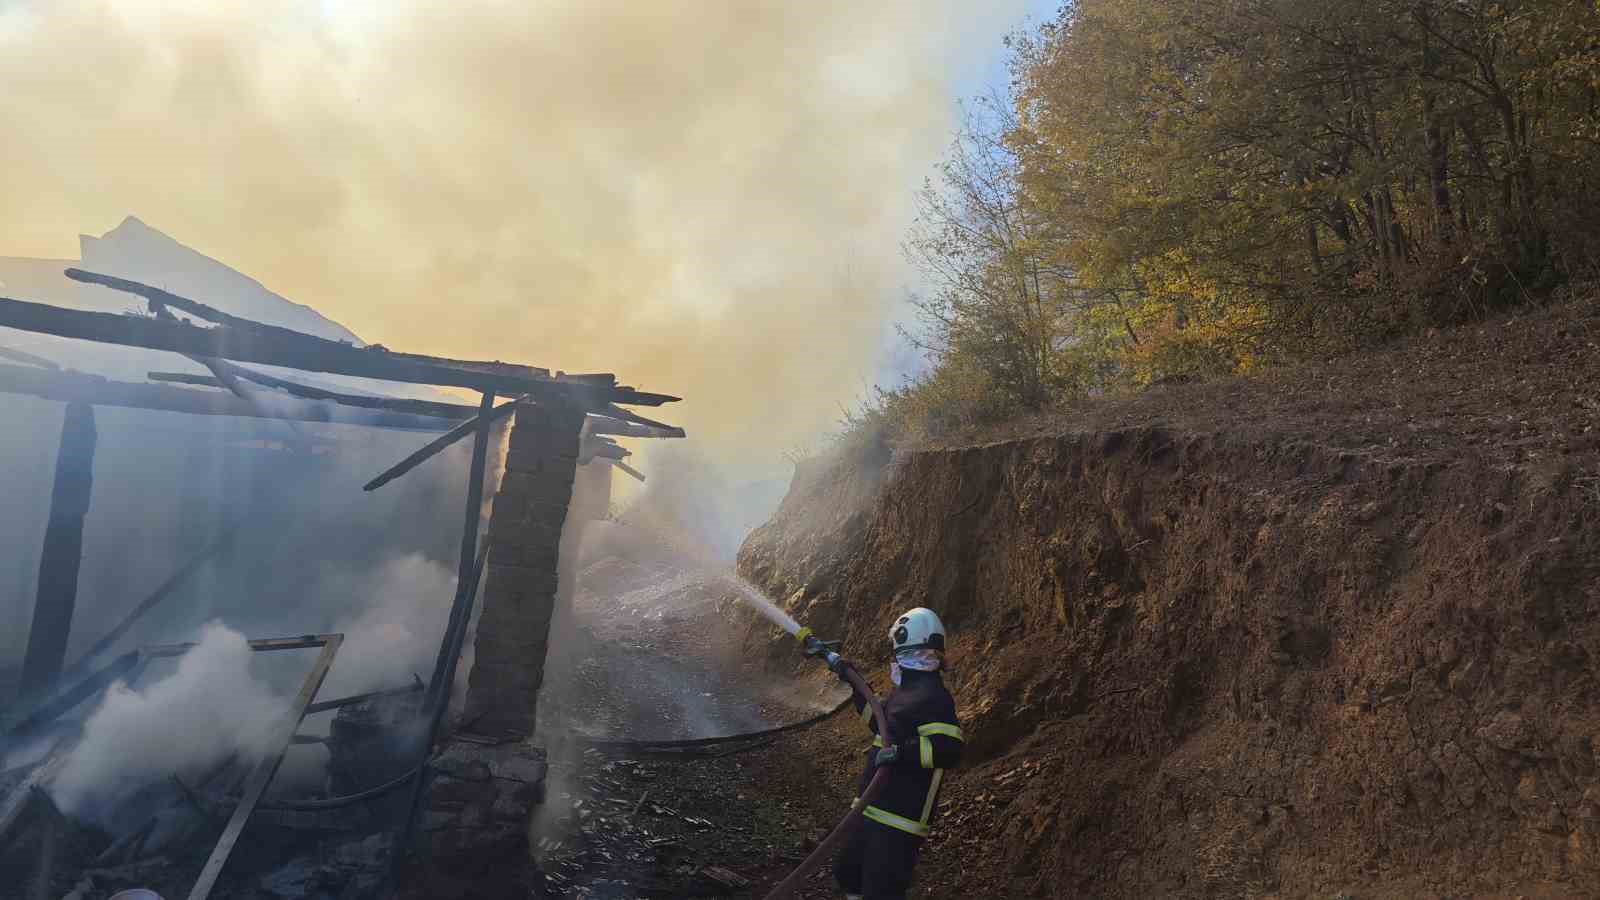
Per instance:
(706,198)
(397,634)
(208,709)
(703,507)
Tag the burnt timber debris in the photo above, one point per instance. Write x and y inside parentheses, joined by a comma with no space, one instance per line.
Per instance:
(560,421)
(127,669)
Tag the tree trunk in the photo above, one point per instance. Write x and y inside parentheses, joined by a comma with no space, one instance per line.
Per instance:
(1438,150)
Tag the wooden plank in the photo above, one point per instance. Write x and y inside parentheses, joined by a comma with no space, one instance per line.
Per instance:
(627,468)
(261,776)
(76,387)
(62,554)
(433,447)
(325,705)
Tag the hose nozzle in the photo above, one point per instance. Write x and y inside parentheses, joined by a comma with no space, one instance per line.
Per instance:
(811,645)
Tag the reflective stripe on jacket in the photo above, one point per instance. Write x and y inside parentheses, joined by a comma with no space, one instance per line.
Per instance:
(922,719)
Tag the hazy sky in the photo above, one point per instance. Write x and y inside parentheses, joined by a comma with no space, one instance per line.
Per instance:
(704,197)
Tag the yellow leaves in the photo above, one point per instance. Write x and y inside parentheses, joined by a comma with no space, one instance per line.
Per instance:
(1223,181)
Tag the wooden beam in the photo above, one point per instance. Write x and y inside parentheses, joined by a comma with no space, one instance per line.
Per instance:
(606,424)
(158,298)
(628,415)
(433,447)
(76,387)
(267,407)
(456,411)
(518,378)
(600,423)
(62,554)
(605,450)
(353,699)
(627,468)
(191,378)
(28,359)
(292,350)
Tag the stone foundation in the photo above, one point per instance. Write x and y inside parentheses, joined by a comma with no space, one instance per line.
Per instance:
(479,794)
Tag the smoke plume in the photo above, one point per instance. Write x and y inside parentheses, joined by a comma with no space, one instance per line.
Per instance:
(209,708)
(706,198)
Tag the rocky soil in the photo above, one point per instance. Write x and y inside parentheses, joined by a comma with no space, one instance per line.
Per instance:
(1329,633)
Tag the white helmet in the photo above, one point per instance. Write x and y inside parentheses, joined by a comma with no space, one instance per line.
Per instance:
(917,629)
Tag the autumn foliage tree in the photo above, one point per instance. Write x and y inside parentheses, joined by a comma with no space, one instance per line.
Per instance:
(1180,188)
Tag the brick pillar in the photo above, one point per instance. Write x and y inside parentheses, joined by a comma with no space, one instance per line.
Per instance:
(519,591)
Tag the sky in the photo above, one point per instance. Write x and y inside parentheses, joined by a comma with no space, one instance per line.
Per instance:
(707,198)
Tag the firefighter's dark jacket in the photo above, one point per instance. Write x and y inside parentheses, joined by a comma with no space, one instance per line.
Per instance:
(922,721)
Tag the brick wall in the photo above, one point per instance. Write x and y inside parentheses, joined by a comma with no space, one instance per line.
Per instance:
(520,584)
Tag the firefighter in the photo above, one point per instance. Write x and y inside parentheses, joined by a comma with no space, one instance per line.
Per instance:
(878,861)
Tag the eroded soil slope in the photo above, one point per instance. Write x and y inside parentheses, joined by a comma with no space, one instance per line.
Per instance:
(1330,632)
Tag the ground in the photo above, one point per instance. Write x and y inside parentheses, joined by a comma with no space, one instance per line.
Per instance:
(1327,631)
(1330,633)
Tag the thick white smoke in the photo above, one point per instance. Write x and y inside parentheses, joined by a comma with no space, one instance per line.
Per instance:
(404,604)
(208,709)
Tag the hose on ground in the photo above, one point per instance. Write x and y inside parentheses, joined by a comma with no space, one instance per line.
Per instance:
(611,745)
(852,819)
(648,746)
(341,802)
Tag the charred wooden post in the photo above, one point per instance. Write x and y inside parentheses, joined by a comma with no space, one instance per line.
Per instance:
(63,551)
(519,595)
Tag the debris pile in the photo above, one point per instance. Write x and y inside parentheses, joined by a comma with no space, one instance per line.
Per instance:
(166,833)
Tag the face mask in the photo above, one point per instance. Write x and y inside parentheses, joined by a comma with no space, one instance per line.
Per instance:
(921,660)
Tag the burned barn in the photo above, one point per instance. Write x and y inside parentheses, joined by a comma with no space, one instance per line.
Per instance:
(409,763)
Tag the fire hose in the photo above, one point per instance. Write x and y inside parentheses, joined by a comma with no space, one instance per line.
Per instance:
(828,652)
(811,646)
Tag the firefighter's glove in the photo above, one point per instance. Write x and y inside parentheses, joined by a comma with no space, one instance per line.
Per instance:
(887,756)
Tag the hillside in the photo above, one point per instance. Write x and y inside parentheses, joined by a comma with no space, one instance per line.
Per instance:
(1332,631)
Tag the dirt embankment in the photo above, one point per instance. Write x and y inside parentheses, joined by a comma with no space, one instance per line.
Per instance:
(1335,632)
